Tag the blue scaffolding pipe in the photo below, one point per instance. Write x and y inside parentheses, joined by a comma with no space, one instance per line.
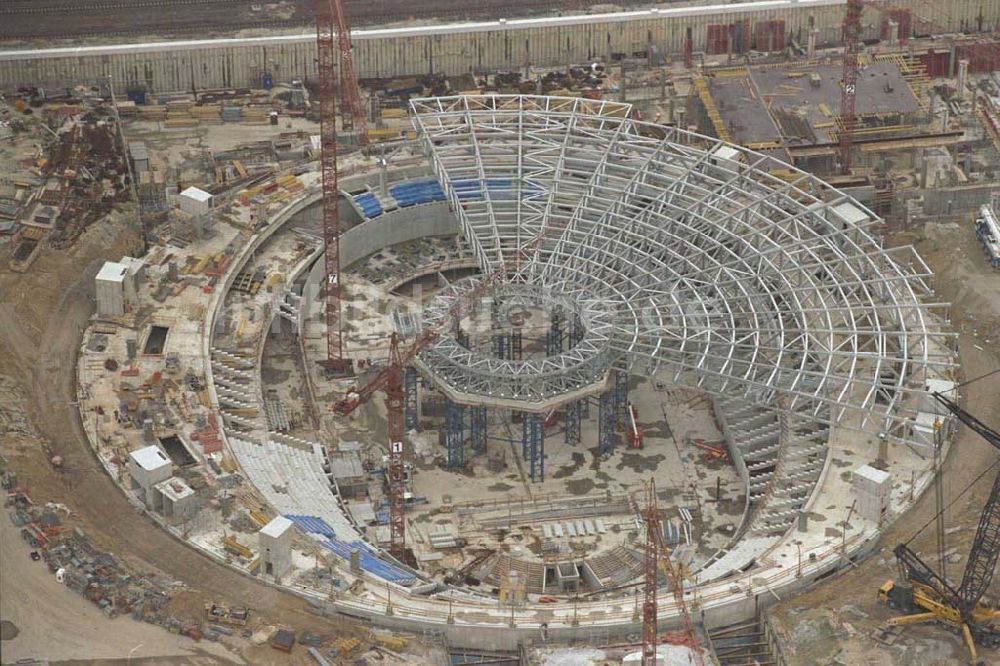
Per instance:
(454,436)
(575,331)
(533,445)
(410,407)
(574,415)
(500,346)
(606,423)
(477,428)
(621,398)
(554,338)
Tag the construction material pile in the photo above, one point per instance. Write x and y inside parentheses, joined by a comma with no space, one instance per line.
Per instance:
(99,576)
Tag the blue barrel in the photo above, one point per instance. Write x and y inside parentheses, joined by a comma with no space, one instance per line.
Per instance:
(136,95)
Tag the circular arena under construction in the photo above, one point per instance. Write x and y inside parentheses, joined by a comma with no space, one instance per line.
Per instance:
(548,304)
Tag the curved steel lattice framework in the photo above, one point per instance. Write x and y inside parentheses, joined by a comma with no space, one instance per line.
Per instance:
(467,373)
(721,268)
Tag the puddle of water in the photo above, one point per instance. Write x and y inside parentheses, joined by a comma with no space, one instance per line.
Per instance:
(640,463)
(568,470)
(580,486)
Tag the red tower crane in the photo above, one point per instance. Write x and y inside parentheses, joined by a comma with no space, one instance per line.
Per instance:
(333,40)
(352,112)
(657,559)
(851,29)
(390,380)
(326,50)
(654,529)
(688,49)
(848,95)
(396,472)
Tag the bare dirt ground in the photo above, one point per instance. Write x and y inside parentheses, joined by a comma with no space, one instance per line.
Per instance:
(42,314)
(832,623)
(41,608)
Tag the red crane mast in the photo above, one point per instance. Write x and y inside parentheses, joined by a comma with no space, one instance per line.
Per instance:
(333,44)
(396,472)
(657,559)
(654,528)
(848,95)
(326,50)
(351,109)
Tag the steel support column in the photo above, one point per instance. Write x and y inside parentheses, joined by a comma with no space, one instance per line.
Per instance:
(576,331)
(606,423)
(501,346)
(574,414)
(554,338)
(477,428)
(621,399)
(516,345)
(454,435)
(411,408)
(533,444)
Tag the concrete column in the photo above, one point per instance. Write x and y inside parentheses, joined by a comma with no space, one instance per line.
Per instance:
(811,42)
(882,462)
(893,36)
(911,212)
(963,75)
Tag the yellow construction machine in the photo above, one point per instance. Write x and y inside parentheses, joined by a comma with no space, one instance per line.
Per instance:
(926,596)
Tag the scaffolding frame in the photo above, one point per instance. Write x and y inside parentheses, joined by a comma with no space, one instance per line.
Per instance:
(554,336)
(606,423)
(411,404)
(477,428)
(621,398)
(454,434)
(573,419)
(501,346)
(533,444)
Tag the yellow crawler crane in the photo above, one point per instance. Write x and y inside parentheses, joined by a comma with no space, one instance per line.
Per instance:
(926,596)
